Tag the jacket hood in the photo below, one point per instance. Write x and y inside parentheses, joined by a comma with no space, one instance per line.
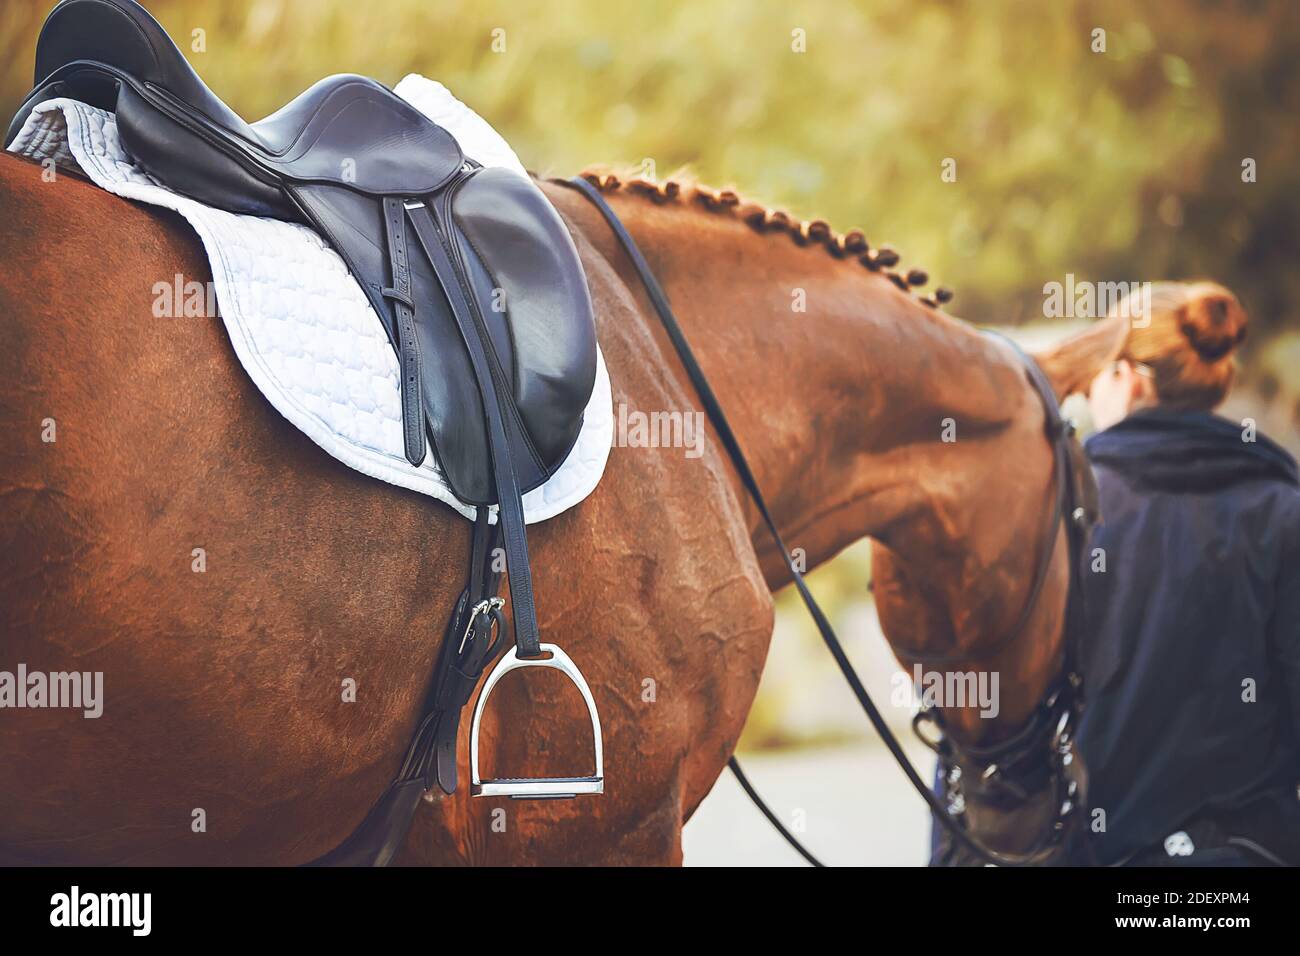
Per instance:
(1176,450)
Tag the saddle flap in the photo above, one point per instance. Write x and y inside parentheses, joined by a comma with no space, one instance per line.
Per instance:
(533,276)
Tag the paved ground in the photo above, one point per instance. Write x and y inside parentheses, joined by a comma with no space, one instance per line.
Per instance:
(853,803)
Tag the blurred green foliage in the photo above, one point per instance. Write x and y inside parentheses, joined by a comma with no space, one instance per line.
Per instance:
(1117,165)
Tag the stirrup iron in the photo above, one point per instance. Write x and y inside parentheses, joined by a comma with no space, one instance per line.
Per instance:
(536,788)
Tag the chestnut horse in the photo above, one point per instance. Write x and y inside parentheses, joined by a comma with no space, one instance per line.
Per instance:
(226,735)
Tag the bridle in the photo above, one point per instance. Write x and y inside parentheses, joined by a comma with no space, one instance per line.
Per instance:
(1039,758)
(1005,776)
(1048,736)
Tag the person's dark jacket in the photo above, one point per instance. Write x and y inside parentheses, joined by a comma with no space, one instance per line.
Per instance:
(1192,660)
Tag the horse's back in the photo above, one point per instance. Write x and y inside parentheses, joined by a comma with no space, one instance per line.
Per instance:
(232,583)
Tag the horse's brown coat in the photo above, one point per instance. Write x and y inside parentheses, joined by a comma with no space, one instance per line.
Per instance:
(224,688)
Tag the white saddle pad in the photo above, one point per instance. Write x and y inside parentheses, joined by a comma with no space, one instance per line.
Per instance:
(300,324)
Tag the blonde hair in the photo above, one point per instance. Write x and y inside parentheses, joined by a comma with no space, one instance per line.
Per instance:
(1186,332)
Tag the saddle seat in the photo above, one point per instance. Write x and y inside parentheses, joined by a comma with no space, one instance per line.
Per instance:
(392,147)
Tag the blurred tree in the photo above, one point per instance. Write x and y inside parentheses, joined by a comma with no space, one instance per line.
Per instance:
(1122,164)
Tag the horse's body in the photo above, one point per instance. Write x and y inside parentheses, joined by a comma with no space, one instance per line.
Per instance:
(224,688)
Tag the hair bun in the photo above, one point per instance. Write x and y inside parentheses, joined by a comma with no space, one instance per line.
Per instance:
(1214,323)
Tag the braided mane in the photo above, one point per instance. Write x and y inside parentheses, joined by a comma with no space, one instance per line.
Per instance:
(848,245)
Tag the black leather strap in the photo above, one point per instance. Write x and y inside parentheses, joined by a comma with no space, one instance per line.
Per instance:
(472,641)
(772,818)
(714,410)
(491,386)
(408,347)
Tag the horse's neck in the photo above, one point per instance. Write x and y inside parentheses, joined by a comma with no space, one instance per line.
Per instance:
(865,413)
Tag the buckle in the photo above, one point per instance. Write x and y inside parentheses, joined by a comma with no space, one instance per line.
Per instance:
(536,788)
(491,606)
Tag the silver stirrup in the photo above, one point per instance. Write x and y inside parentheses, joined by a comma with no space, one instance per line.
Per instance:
(537,788)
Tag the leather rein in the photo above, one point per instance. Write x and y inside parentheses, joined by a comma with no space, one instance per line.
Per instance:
(1056,715)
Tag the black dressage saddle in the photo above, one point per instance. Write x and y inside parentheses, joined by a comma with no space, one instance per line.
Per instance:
(470,269)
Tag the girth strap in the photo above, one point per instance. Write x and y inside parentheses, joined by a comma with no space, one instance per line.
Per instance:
(473,641)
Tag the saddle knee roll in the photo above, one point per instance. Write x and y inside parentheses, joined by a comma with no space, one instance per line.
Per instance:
(529,287)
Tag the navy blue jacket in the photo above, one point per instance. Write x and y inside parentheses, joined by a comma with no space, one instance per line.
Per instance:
(1200,595)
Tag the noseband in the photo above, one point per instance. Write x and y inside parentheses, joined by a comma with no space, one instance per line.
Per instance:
(1046,743)
(1036,764)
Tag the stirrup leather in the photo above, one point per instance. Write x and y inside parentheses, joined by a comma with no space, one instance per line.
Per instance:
(536,788)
